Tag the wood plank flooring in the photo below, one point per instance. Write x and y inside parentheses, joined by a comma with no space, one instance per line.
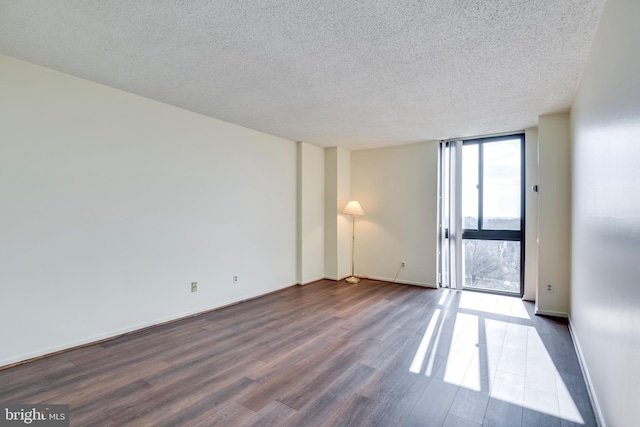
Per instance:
(327,354)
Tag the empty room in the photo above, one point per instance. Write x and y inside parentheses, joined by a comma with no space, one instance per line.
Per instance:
(411,213)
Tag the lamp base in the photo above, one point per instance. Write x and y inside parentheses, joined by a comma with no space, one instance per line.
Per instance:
(353,279)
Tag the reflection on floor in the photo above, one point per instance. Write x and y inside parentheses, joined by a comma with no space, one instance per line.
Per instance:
(330,354)
(498,364)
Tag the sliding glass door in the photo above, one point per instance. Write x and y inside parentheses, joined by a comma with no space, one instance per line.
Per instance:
(482,214)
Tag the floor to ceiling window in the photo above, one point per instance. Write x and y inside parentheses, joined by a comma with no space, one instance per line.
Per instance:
(482,214)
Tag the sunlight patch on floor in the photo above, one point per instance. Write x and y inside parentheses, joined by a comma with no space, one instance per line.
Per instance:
(508,361)
(427,340)
(492,303)
(568,407)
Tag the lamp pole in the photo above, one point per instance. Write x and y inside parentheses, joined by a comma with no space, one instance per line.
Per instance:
(353,278)
(353,208)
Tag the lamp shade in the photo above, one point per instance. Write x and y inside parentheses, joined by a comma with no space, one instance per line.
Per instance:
(353,208)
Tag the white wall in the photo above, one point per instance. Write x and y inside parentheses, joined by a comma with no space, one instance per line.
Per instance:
(554,214)
(605,298)
(531,215)
(344,221)
(310,213)
(112,204)
(397,188)
(337,226)
(330,213)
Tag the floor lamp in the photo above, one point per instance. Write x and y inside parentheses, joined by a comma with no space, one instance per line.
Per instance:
(354,209)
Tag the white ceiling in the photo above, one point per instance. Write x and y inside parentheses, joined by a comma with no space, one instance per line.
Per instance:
(357,74)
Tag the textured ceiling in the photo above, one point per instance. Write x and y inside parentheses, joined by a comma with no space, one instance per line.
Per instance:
(356,74)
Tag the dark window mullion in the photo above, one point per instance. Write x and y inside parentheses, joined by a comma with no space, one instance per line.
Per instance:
(511,235)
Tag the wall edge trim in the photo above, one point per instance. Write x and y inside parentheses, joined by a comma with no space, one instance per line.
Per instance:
(587,378)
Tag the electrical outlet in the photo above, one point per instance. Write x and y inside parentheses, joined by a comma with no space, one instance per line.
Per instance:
(235,278)
(403,264)
(194,286)
(550,287)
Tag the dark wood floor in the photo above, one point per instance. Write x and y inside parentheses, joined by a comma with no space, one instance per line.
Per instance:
(372,354)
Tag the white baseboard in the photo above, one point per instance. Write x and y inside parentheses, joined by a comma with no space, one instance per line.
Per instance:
(94,339)
(308,282)
(404,282)
(337,279)
(388,279)
(553,313)
(587,378)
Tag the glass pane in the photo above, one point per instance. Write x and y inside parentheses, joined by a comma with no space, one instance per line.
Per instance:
(501,185)
(470,186)
(491,264)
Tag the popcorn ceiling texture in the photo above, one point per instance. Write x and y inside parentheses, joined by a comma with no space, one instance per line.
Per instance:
(356,74)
